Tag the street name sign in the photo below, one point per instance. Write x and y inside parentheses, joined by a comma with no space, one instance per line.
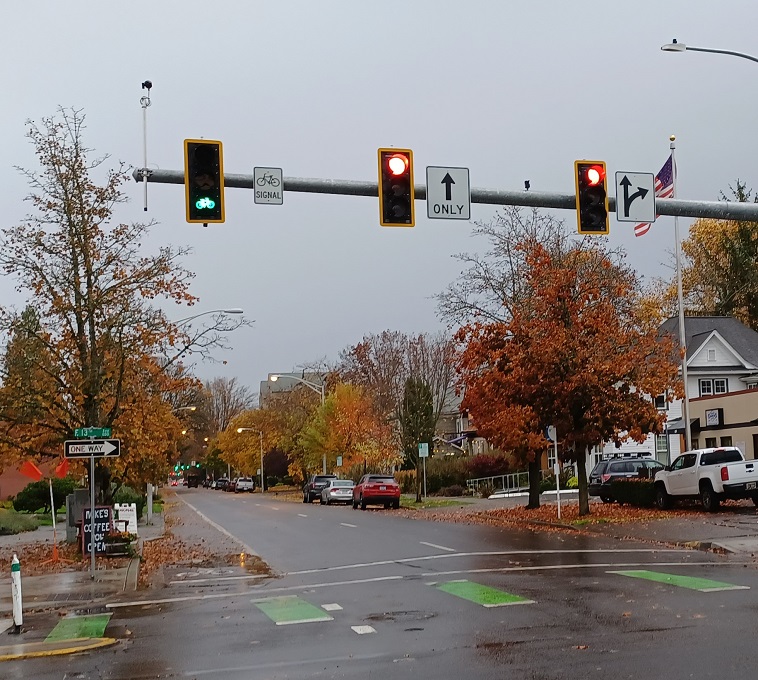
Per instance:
(635,197)
(269,186)
(105,448)
(448,193)
(93,432)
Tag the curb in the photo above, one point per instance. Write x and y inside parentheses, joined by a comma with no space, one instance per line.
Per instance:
(31,650)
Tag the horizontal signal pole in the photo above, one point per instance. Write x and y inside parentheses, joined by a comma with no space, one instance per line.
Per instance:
(719,210)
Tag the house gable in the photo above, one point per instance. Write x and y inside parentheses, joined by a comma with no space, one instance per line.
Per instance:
(716,353)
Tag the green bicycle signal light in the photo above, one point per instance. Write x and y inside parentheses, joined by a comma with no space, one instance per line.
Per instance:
(204,181)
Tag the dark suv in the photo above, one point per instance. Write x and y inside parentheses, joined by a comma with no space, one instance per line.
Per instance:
(619,468)
(314,486)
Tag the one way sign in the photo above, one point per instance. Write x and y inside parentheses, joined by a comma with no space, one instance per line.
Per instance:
(635,197)
(102,448)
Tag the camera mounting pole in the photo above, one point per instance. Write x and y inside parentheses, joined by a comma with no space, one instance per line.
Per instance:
(145,102)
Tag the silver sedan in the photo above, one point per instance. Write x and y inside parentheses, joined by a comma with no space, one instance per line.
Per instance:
(337,491)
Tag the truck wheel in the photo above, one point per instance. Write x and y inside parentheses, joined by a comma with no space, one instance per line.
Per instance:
(709,499)
(662,500)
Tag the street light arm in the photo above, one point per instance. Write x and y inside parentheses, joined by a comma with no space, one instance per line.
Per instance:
(681,47)
(233,310)
(316,387)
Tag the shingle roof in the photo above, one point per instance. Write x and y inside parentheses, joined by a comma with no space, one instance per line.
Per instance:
(697,329)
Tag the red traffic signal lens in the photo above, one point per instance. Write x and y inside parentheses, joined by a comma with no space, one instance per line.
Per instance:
(594,175)
(397,164)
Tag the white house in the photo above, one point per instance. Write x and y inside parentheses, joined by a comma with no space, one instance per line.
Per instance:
(722,358)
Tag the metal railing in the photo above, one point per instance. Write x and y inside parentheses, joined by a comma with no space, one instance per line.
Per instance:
(515,482)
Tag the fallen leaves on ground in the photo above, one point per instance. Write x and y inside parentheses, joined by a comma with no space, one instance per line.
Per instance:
(37,559)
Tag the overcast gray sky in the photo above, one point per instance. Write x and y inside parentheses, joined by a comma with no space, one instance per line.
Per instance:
(507,89)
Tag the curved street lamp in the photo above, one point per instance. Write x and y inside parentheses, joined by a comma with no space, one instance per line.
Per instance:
(240,430)
(316,387)
(675,46)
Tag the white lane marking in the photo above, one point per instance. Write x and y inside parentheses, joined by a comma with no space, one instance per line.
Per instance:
(289,623)
(484,553)
(439,547)
(553,567)
(257,505)
(331,607)
(247,548)
(346,524)
(271,507)
(4,625)
(363,630)
(217,596)
(300,514)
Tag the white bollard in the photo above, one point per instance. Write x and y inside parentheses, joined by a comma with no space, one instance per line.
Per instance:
(18,617)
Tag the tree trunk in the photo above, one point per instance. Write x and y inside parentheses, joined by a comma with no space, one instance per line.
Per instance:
(534,483)
(581,473)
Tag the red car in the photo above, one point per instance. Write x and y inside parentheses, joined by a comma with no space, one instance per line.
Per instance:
(376,490)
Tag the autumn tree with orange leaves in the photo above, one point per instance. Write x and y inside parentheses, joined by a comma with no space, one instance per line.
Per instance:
(99,354)
(573,354)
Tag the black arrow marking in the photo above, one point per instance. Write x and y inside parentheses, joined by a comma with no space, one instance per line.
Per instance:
(448,181)
(628,200)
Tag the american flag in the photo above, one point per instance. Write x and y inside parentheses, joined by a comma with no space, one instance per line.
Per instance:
(664,188)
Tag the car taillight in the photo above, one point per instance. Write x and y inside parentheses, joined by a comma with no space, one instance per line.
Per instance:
(724,473)
(605,478)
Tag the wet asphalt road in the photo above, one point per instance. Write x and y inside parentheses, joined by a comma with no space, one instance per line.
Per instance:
(359,569)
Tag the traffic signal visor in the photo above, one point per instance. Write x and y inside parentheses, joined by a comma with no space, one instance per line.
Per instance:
(204,180)
(591,197)
(396,190)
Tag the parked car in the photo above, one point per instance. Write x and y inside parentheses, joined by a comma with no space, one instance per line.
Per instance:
(212,485)
(222,483)
(313,487)
(337,491)
(619,468)
(712,475)
(376,490)
(244,484)
(232,485)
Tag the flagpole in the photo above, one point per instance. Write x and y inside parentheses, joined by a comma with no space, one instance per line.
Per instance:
(680,298)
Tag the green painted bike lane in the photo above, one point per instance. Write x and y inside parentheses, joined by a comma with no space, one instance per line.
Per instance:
(486,596)
(78,627)
(703,585)
(290,609)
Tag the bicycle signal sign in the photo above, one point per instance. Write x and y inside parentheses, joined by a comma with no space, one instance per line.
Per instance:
(269,186)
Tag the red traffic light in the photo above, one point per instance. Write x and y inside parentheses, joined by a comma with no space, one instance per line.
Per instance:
(397,164)
(594,175)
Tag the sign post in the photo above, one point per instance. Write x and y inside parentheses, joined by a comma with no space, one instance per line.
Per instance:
(552,436)
(104,448)
(423,452)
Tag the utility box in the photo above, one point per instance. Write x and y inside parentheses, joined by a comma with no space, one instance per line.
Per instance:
(75,504)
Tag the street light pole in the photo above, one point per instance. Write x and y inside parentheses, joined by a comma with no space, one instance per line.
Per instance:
(316,387)
(675,46)
(240,430)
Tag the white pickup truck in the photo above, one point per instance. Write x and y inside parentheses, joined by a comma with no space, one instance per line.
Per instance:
(711,475)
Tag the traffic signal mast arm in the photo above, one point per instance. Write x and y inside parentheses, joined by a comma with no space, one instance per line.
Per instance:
(720,210)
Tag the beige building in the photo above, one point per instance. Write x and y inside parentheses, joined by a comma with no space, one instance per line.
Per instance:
(726,420)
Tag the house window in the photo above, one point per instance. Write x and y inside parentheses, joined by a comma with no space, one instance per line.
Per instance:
(720,386)
(661,443)
(711,355)
(660,403)
(706,387)
(726,441)
(752,386)
(710,443)
(709,387)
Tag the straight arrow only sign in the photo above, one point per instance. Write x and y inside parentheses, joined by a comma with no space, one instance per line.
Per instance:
(104,448)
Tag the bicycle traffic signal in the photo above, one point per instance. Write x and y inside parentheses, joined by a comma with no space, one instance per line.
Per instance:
(591,197)
(204,180)
(396,192)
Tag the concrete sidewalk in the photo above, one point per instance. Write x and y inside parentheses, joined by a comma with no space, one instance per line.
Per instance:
(47,597)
